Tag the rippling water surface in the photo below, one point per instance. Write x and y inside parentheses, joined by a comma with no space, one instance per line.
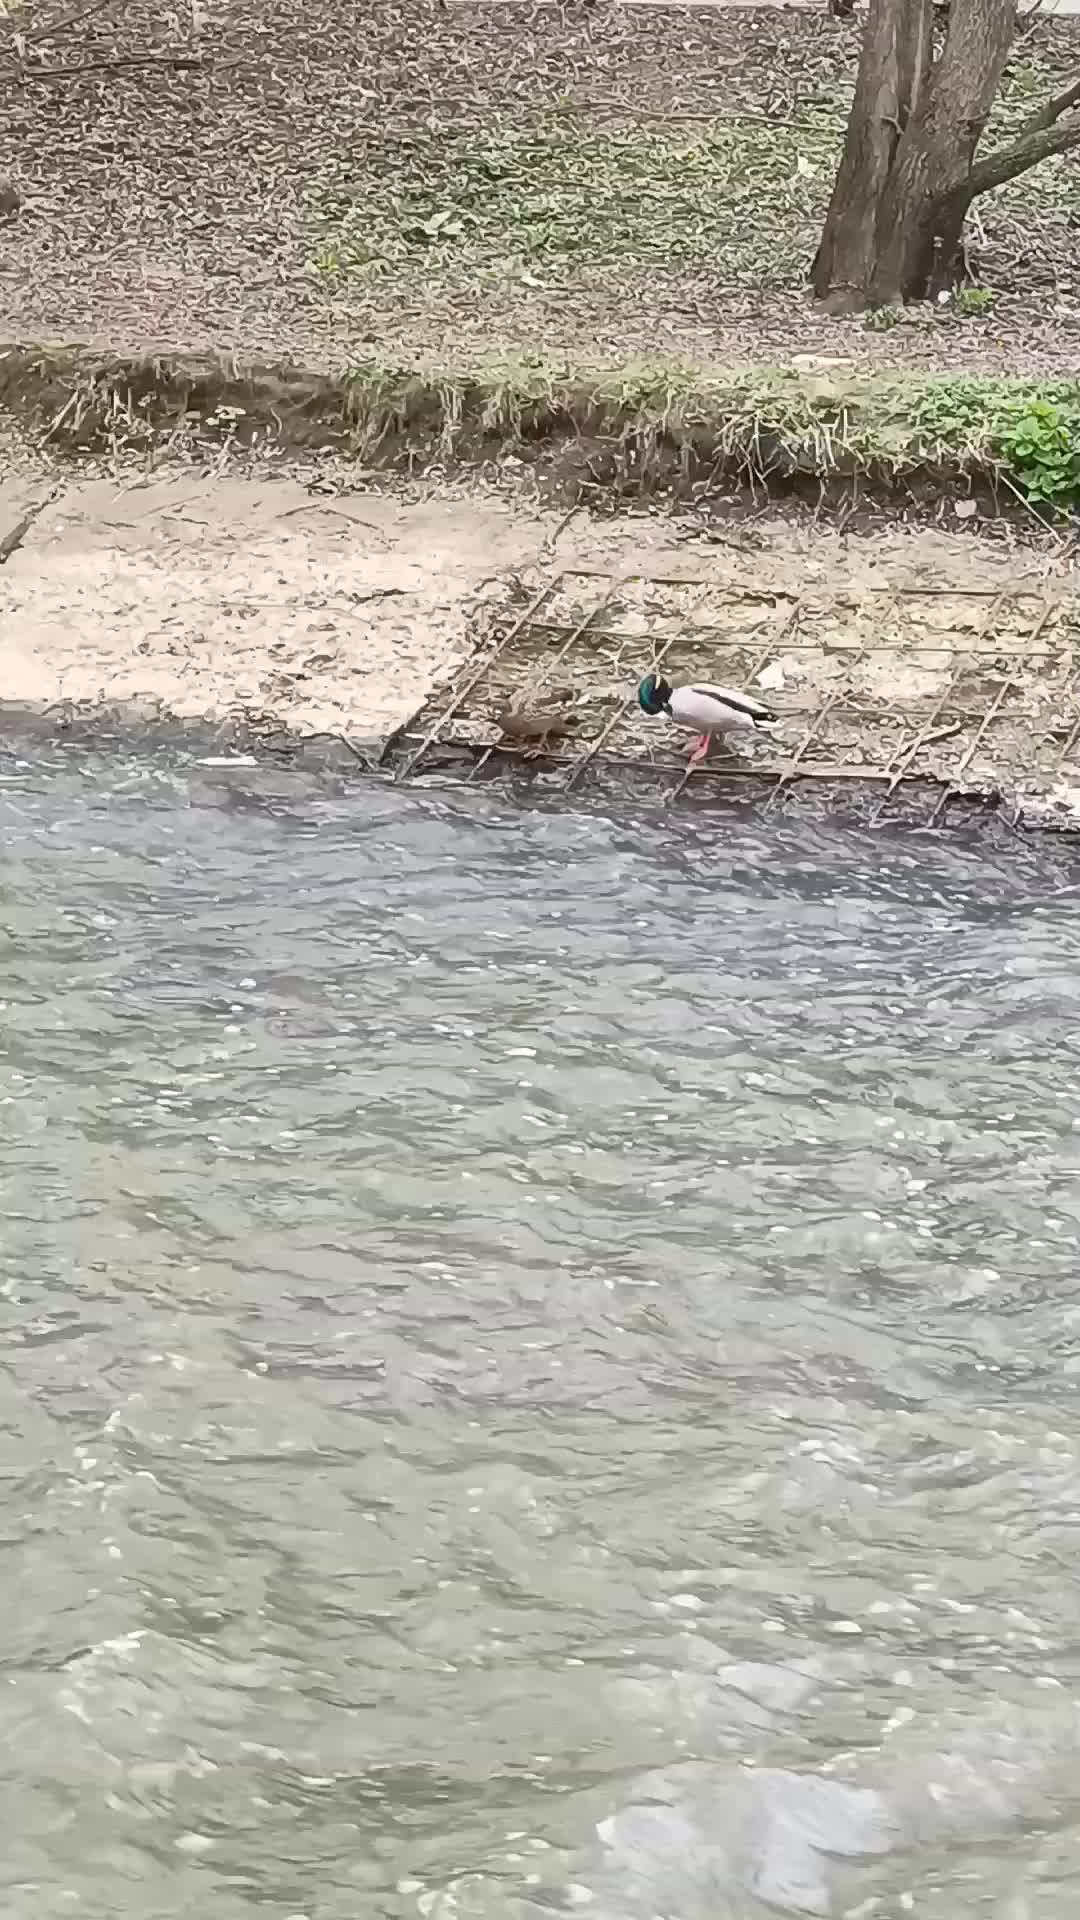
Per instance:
(540,1360)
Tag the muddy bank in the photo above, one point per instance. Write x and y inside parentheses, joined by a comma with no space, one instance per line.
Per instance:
(260,603)
(595,431)
(399,627)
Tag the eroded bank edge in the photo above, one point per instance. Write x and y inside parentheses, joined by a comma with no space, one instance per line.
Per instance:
(635,429)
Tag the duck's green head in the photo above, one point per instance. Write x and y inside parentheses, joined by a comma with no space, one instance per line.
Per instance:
(654,694)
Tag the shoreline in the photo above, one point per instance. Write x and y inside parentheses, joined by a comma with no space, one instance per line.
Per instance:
(320,615)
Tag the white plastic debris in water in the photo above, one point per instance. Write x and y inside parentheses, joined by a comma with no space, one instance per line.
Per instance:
(965,509)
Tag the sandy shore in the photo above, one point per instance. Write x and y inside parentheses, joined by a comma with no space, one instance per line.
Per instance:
(370,616)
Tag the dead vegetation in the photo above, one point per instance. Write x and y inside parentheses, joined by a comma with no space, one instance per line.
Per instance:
(648,429)
(411,184)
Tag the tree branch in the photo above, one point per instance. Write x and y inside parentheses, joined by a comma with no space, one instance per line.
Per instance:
(1053,110)
(1005,165)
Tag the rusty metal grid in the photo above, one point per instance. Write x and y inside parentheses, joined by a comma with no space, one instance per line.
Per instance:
(892,685)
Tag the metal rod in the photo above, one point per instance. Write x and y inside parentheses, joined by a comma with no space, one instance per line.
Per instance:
(904,756)
(965,760)
(489,660)
(575,634)
(1074,735)
(814,729)
(899,765)
(788,773)
(611,723)
(1007,683)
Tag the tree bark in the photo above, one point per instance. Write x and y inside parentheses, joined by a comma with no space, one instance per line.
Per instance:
(908,171)
(1008,162)
(893,67)
(916,242)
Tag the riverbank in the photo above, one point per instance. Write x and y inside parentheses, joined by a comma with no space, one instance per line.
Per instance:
(575,237)
(395,625)
(334,344)
(588,431)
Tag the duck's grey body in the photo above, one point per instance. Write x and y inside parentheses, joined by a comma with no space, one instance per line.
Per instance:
(534,728)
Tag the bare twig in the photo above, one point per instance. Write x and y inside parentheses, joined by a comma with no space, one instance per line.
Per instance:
(14,537)
(69,20)
(942,733)
(59,418)
(12,540)
(178,60)
(1054,532)
(321,506)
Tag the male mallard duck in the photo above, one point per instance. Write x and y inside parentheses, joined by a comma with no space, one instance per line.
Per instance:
(708,710)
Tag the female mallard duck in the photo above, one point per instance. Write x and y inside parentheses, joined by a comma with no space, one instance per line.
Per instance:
(708,710)
(534,728)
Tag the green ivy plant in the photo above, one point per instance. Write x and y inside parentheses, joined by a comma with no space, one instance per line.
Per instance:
(1039,441)
(883,319)
(973,301)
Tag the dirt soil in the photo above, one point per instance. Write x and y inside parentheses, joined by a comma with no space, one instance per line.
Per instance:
(402,625)
(404,180)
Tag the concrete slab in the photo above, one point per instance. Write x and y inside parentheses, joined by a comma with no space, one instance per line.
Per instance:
(225,598)
(947,657)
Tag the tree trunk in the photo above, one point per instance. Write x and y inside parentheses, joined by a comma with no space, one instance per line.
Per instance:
(902,189)
(895,60)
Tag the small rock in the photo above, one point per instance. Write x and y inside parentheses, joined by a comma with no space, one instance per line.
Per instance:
(810,362)
(772,677)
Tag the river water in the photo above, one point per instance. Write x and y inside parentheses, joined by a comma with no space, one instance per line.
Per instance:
(540,1358)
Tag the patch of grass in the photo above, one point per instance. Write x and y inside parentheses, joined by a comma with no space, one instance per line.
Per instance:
(974,302)
(883,319)
(560,190)
(644,423)
(1026,430)
(1039,439)
(556,192)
